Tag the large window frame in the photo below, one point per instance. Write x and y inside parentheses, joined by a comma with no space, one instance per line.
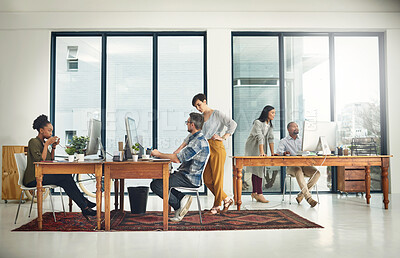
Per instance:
(331,36)
(104,36)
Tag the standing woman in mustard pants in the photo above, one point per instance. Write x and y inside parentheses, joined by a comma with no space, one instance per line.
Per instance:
(214,123)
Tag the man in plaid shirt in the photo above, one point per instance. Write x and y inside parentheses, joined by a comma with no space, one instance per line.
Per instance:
(193,158)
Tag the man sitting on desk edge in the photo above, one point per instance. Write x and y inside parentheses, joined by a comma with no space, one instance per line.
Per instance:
(291,145)
(193,158)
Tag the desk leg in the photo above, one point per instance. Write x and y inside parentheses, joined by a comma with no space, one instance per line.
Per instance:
(116,189)
(239,188)
(234,183)
(39,195)
(121,194)
(107,197)
(165,196)
(70,204)
(98,173)
(385,182)
(368,183)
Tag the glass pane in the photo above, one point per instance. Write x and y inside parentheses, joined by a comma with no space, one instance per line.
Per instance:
(129,88)
(358,95)
(77,91)
(307,88)
(180,77)
(255,85)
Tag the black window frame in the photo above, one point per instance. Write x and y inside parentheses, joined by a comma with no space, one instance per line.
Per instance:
(331,35)
(104,35)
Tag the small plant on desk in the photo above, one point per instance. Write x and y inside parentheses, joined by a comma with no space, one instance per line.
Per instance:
(135,149)
(79,143)
(70,150)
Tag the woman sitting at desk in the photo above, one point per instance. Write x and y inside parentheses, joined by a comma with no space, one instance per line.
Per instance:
(38,150)
(256,145)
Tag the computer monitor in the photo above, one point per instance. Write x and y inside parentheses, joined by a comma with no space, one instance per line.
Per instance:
(319,136)
(131,137)
(94,133)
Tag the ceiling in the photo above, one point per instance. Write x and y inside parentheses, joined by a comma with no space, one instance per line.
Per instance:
(200,6)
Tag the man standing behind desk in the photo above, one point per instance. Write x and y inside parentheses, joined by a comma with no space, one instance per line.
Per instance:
(193,158)
(291,145)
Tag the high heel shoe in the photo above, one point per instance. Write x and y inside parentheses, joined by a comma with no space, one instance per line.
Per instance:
(213,211)
(88,212)
(253,196)
(260,198)
(227,205)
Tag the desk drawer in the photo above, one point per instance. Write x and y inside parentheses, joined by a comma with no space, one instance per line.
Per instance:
(353,174)
(353,186)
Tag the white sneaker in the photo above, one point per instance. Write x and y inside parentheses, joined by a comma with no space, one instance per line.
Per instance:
(185,205)
(177,218)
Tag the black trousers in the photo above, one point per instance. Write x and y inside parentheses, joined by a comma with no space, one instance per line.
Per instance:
(68,184)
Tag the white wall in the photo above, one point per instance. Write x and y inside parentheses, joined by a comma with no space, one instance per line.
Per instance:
(393,117)
(25,31)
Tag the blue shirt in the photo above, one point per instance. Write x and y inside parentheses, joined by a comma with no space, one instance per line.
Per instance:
(289,144)
(194,157)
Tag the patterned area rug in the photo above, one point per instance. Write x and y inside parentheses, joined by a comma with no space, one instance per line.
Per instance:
(152,221)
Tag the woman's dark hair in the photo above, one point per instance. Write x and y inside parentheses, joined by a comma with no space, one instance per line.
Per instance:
(200,97)
(40,122)
(264,114)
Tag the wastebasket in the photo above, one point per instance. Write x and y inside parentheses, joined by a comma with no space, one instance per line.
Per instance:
(138,199)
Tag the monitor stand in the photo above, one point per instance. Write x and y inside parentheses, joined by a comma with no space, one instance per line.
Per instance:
(103,152)
(323,144)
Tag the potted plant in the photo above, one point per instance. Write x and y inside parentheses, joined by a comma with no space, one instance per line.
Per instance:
(70,151)
(135,151)
(80,144)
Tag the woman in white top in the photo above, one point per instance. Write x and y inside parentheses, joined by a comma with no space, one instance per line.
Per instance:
(256,145)
(214,123)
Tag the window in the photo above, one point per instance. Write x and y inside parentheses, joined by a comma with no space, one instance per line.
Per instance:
(325,77)
(129,88)
(180,77)
(307,88)
(256,84)
(358,93)
(77,96)
(72,58)
(148,76)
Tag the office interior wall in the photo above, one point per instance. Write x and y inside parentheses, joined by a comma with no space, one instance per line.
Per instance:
(393,106)
(25,52)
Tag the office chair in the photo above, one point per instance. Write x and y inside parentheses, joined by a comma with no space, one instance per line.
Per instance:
(193,189)
(21,161)
(290,188)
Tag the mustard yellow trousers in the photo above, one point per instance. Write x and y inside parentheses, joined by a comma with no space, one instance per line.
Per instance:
(214,172)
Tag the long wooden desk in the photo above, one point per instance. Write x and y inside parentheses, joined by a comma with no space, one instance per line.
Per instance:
(352,161)
(54,167)
(134,170)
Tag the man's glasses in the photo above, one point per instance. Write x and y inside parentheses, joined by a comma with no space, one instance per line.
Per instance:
(187,122)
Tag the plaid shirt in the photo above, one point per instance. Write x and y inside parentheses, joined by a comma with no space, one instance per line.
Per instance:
(194,157)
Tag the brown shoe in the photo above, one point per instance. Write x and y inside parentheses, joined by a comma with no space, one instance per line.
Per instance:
(260,198)
(312,202)
(299,198)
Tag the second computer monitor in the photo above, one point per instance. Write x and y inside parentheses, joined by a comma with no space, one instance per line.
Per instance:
(94,134)
(132,137)
(316,133)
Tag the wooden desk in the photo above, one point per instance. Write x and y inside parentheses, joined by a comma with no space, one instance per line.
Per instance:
(134,170)
(50,167)
(354,161)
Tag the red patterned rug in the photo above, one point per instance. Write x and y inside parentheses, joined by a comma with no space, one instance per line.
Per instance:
(151,221)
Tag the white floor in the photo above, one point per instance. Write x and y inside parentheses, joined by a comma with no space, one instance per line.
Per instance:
(351,229)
